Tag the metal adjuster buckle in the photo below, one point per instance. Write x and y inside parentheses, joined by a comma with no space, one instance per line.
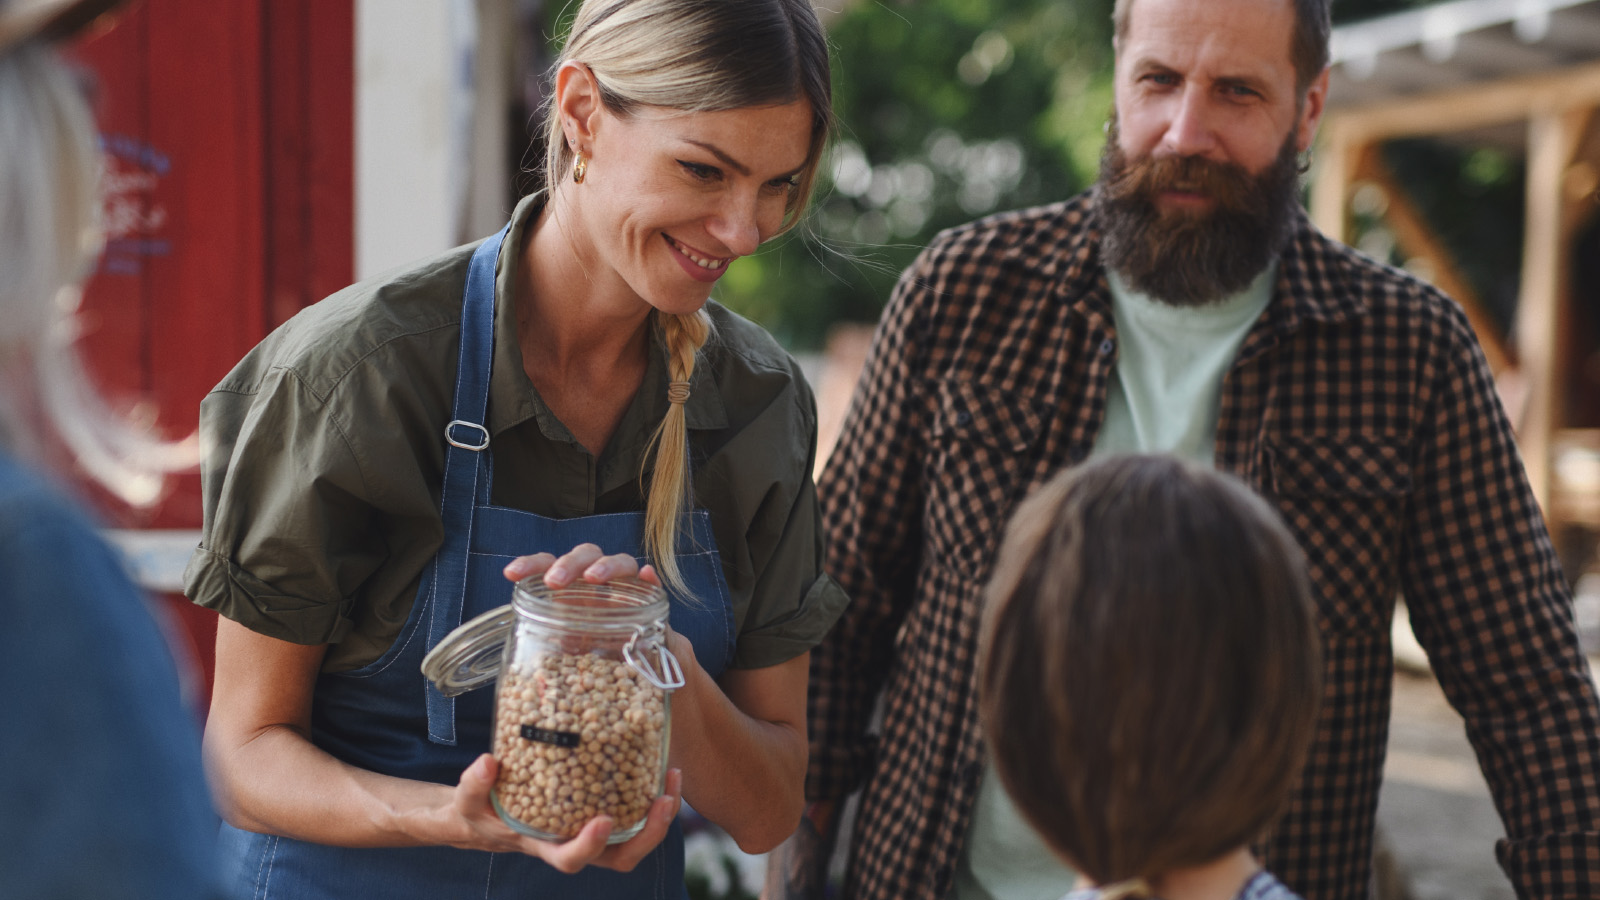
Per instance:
(451,440)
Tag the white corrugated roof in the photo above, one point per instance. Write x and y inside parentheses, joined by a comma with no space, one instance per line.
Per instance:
(1459,42)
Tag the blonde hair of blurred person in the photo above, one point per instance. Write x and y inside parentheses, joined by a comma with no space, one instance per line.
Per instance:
(50,169)
(104,793)
(667,64)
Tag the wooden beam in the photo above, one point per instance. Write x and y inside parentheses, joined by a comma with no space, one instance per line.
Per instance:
(1417,238)
(1553,140)
(1466,108)
(1580,183)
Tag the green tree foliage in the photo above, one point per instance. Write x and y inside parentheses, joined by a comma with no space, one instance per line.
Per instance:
(948,110)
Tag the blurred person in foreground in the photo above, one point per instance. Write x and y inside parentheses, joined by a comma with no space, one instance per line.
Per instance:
(1149,674)
(1186,304)
(102,793)
(566,394)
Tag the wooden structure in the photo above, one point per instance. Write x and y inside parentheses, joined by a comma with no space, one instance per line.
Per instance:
(1522,75)
(228,131)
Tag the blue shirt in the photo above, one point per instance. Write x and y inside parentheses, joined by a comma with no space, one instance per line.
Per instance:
(1261,886)
(101,793)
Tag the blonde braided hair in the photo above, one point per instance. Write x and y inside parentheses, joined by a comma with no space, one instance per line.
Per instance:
(50,234)
(670,490)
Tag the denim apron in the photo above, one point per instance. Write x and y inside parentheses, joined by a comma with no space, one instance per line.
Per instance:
(386,717)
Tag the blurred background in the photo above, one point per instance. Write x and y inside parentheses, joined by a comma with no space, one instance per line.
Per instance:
(264,153)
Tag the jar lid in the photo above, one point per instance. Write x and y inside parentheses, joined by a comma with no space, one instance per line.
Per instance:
(470,656)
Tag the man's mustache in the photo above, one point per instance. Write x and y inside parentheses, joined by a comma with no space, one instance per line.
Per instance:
(1228,184)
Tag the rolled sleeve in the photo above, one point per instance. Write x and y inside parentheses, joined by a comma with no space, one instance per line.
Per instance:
(288,535)
(216,583)
(789,636)
(1559,867)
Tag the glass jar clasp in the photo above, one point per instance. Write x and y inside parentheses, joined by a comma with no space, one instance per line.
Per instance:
(669,678)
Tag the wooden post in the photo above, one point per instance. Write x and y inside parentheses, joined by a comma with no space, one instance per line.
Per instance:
(1553,139)
(1340,151)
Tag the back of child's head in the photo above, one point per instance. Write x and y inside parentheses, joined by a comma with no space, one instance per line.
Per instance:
(1149,666)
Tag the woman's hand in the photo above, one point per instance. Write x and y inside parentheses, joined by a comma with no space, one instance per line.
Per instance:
(585,561)
(480,828)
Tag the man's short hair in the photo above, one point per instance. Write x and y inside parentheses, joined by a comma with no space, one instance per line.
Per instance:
(1313,25)
(1149,665)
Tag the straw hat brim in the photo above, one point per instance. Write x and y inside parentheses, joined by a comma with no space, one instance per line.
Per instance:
(52,20)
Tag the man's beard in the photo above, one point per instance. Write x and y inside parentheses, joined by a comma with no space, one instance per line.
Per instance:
(1188,258)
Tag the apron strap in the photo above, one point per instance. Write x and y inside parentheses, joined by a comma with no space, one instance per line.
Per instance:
(467,436)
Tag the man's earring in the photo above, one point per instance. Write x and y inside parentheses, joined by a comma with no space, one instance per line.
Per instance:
(580,167)
(1304,164)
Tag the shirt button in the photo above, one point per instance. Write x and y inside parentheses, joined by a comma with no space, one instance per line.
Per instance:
(963,418)
(1107,346)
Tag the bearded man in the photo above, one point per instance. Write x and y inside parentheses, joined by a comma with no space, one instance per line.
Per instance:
(1185,304)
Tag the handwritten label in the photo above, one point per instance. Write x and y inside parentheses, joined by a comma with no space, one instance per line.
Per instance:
(549,736)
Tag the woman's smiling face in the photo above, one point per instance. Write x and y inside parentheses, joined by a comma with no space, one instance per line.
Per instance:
(671,198)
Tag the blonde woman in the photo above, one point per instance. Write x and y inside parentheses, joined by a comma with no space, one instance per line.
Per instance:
(102,793)
(626,419)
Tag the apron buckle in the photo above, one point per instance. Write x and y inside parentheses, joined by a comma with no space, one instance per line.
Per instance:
(450,438)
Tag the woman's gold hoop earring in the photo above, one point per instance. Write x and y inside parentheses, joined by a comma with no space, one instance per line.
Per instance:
(580,167)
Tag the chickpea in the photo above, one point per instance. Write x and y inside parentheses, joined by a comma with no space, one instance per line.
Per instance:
(576,735)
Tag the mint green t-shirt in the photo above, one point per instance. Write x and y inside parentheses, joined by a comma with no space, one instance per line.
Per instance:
(1163,397)
(1167,385)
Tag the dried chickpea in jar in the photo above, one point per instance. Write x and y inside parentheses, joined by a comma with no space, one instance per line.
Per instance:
(577,736)
(581,718)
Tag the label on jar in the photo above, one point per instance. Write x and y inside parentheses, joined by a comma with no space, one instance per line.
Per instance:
(550,736)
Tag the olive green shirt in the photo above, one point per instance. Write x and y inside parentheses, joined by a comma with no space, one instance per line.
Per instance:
(324,461)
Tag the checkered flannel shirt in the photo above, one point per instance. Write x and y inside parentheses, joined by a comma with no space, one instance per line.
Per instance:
(1360,404)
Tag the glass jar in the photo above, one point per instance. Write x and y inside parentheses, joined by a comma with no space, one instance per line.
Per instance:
(581,712)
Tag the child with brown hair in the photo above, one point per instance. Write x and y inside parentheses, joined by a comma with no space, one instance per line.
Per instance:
(1150,671)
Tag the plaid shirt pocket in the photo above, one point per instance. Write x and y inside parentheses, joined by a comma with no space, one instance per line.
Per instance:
(1344,495)
(979,462)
